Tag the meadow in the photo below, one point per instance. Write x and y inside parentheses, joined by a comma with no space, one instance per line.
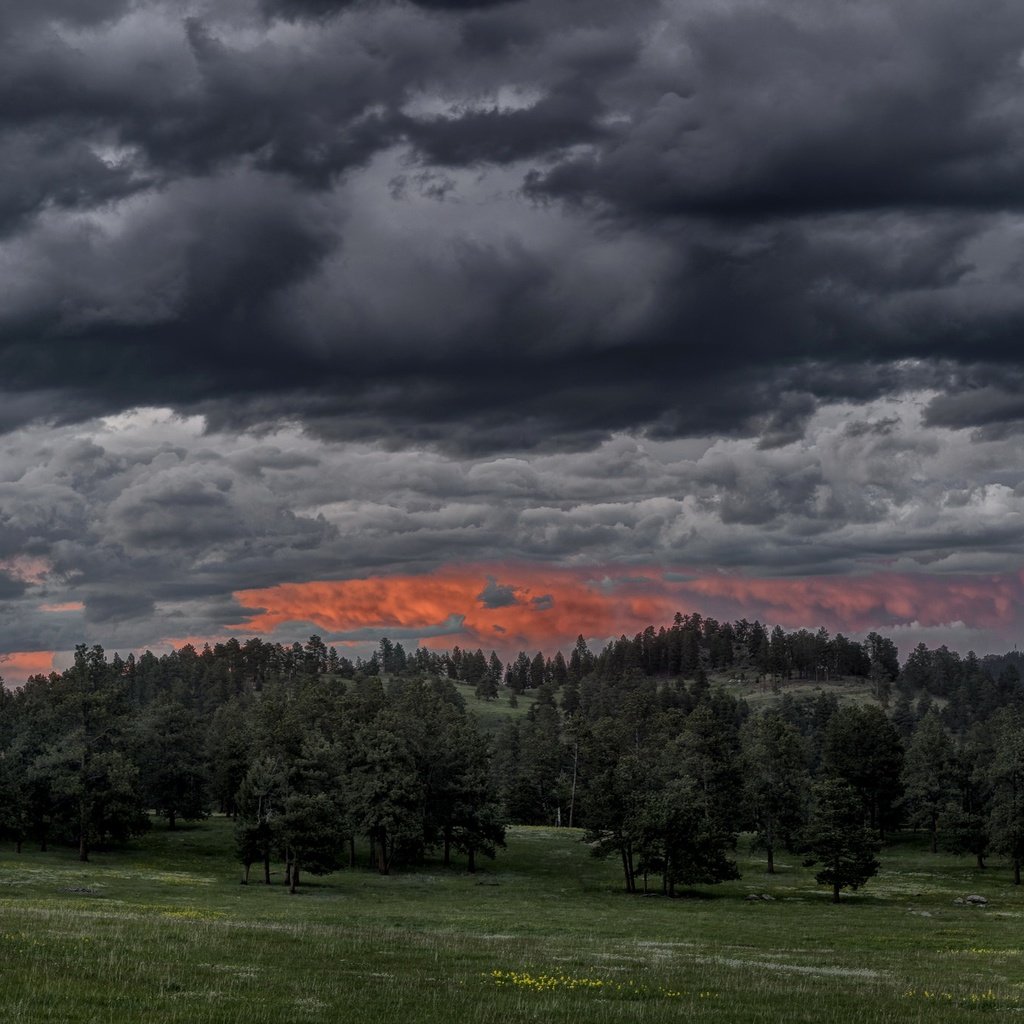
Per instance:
(163,931)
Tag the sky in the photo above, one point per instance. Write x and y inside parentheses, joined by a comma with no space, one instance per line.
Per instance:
(494,322)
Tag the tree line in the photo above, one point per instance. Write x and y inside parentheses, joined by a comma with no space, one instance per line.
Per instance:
(324,762)
(307,763)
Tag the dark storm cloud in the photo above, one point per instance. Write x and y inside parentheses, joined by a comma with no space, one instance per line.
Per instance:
(326,8)
(101,609)
(497,595)
(782,110)
(74,12)
(498,226)
(992,408)
(10,588)
(558,121)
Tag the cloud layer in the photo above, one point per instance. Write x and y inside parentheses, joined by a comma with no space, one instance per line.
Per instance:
(146,528)
(302,292)
(501,225)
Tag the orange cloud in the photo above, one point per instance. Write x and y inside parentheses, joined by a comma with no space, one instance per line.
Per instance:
(863,602)
(17,666)
(549,605)
(543,607)
(26,568)
(66,606)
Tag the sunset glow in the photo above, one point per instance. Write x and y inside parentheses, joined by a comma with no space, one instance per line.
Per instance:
(17,666)
(545,608)
(25,568)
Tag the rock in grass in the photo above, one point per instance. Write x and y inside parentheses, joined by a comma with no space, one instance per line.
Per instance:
(976,901)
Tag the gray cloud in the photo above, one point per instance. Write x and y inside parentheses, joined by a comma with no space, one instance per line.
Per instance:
(496,595)
(489,227)
(153,524)
(10,587)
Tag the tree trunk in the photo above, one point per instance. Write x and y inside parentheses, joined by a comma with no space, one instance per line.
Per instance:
(266,865)
(171,820)
(1016,870)
(245,872)
(575,766)
(835,892)
(294,887)
(19,844)
(771,859)
(352,851)
(83,846)
(935,833)
(447,861)
(625,869)
(472,860)
(980,857)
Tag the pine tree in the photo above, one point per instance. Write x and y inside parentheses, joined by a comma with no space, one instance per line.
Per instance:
(1006,772)
(170,755)
(776,781)
(260,802)
(838,839)
(928,775)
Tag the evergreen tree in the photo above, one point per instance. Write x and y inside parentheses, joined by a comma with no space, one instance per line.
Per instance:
(170,755)
(260,802)
(537,671)
(838,839)
(228,753)
(312,823)
(861,747)
(387,795)
(776,781)
(1006,771)
(93,783)
(477,820)
(928,775)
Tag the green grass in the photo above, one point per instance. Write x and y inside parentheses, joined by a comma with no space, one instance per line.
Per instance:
(745,685)
(492,714)
(165,933)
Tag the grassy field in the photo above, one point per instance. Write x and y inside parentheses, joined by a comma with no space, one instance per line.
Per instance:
(164,932)
(760,693)
(493,714)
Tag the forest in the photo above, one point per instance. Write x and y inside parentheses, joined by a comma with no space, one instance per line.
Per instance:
(325,764)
